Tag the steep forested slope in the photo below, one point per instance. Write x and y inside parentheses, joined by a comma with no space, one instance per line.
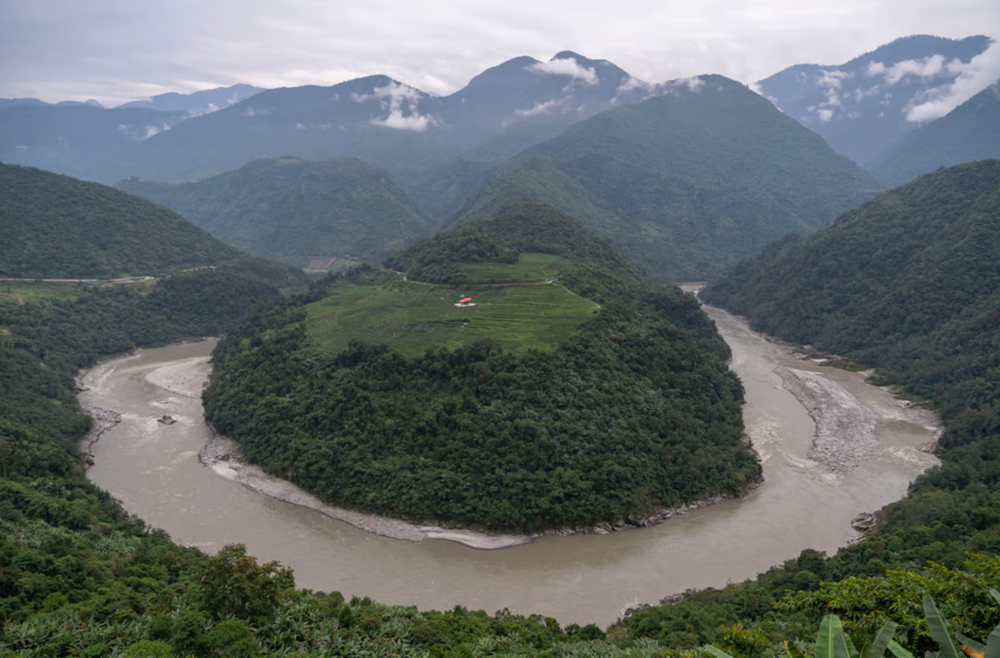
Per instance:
(686,182)
(634,411)
(297,211)
(55,226)
(969,132)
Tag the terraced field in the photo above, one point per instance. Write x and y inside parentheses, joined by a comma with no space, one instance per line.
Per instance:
(412,317)
(530,267)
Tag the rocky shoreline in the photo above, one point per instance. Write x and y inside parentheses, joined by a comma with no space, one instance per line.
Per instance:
(104,419)
(845,428)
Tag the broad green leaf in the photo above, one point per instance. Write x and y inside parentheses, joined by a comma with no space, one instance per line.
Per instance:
(941,630)
(898,650)
(718,653)
(993,642)
(995,594)
(884,636)
(831,642)
(793,650)
(975,645)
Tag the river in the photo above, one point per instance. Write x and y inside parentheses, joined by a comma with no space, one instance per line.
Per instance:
(154,470)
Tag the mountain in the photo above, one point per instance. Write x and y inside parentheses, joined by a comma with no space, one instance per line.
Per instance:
(296,211)
(196,103)
(969,132)
(11,102)
(572,391)
(72,139)
(907,282)
(386,122)
(60,227)
(685,182)
(864,105)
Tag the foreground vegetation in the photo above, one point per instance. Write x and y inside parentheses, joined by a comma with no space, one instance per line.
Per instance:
(541,410)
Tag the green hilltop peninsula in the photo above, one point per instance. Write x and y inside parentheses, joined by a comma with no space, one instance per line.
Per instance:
(511,374)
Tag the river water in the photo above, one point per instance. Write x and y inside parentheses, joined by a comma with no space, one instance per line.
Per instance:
(154,470)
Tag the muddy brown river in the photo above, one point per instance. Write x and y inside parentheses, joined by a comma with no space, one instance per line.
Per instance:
(154,470)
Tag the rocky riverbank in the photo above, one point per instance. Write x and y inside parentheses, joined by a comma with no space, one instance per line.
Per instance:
(104,419)
(845,428)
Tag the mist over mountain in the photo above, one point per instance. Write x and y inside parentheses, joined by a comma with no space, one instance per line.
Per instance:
(386,121)
(72,139)
(862,106)
(688,181)
(969,132)
(296,211)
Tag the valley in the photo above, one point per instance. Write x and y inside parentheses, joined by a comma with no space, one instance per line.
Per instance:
(452,404)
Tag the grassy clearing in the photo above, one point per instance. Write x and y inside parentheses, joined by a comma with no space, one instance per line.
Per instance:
(29,291)
(412,317)
(530,267)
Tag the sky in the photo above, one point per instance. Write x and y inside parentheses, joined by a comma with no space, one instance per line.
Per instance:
(115,51)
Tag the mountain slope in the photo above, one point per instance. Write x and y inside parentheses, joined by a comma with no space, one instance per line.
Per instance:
(969,132)
(296,211)
(906,282)
(864,105)
(59,227)
(533,408)
(688,181)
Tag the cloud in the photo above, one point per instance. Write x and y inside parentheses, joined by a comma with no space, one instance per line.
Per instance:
(566,66)
(257,111)
(928,67)
(970,79)
(396,98)
(541,108)
(833,79)
(824,115)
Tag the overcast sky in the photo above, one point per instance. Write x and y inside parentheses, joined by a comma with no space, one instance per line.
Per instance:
(120,50)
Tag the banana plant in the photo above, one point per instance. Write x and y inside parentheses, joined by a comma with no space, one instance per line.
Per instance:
(976,649)
(833,642)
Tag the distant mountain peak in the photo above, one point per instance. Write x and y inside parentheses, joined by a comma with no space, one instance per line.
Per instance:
(863,105)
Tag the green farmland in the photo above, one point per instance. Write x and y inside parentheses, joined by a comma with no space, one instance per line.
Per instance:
(412,317)
(530,267)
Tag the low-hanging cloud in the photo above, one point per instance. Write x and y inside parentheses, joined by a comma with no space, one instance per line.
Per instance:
(394,98)
(546,107)
(566,66)
(969,79)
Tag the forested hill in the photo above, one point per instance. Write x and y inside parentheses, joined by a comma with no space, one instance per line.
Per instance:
(898,268)
(686,182)
(55,226)
(535,407)
(298,212)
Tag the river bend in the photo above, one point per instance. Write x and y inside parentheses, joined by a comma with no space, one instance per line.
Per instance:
(153,469)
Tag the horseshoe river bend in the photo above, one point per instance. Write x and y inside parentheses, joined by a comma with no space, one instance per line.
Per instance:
(832,447)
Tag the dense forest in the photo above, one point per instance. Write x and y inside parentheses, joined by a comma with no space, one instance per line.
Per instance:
(296,211)
(60,227)
(636,411)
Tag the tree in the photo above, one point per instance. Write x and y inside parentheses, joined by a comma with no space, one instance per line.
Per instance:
(235,585)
